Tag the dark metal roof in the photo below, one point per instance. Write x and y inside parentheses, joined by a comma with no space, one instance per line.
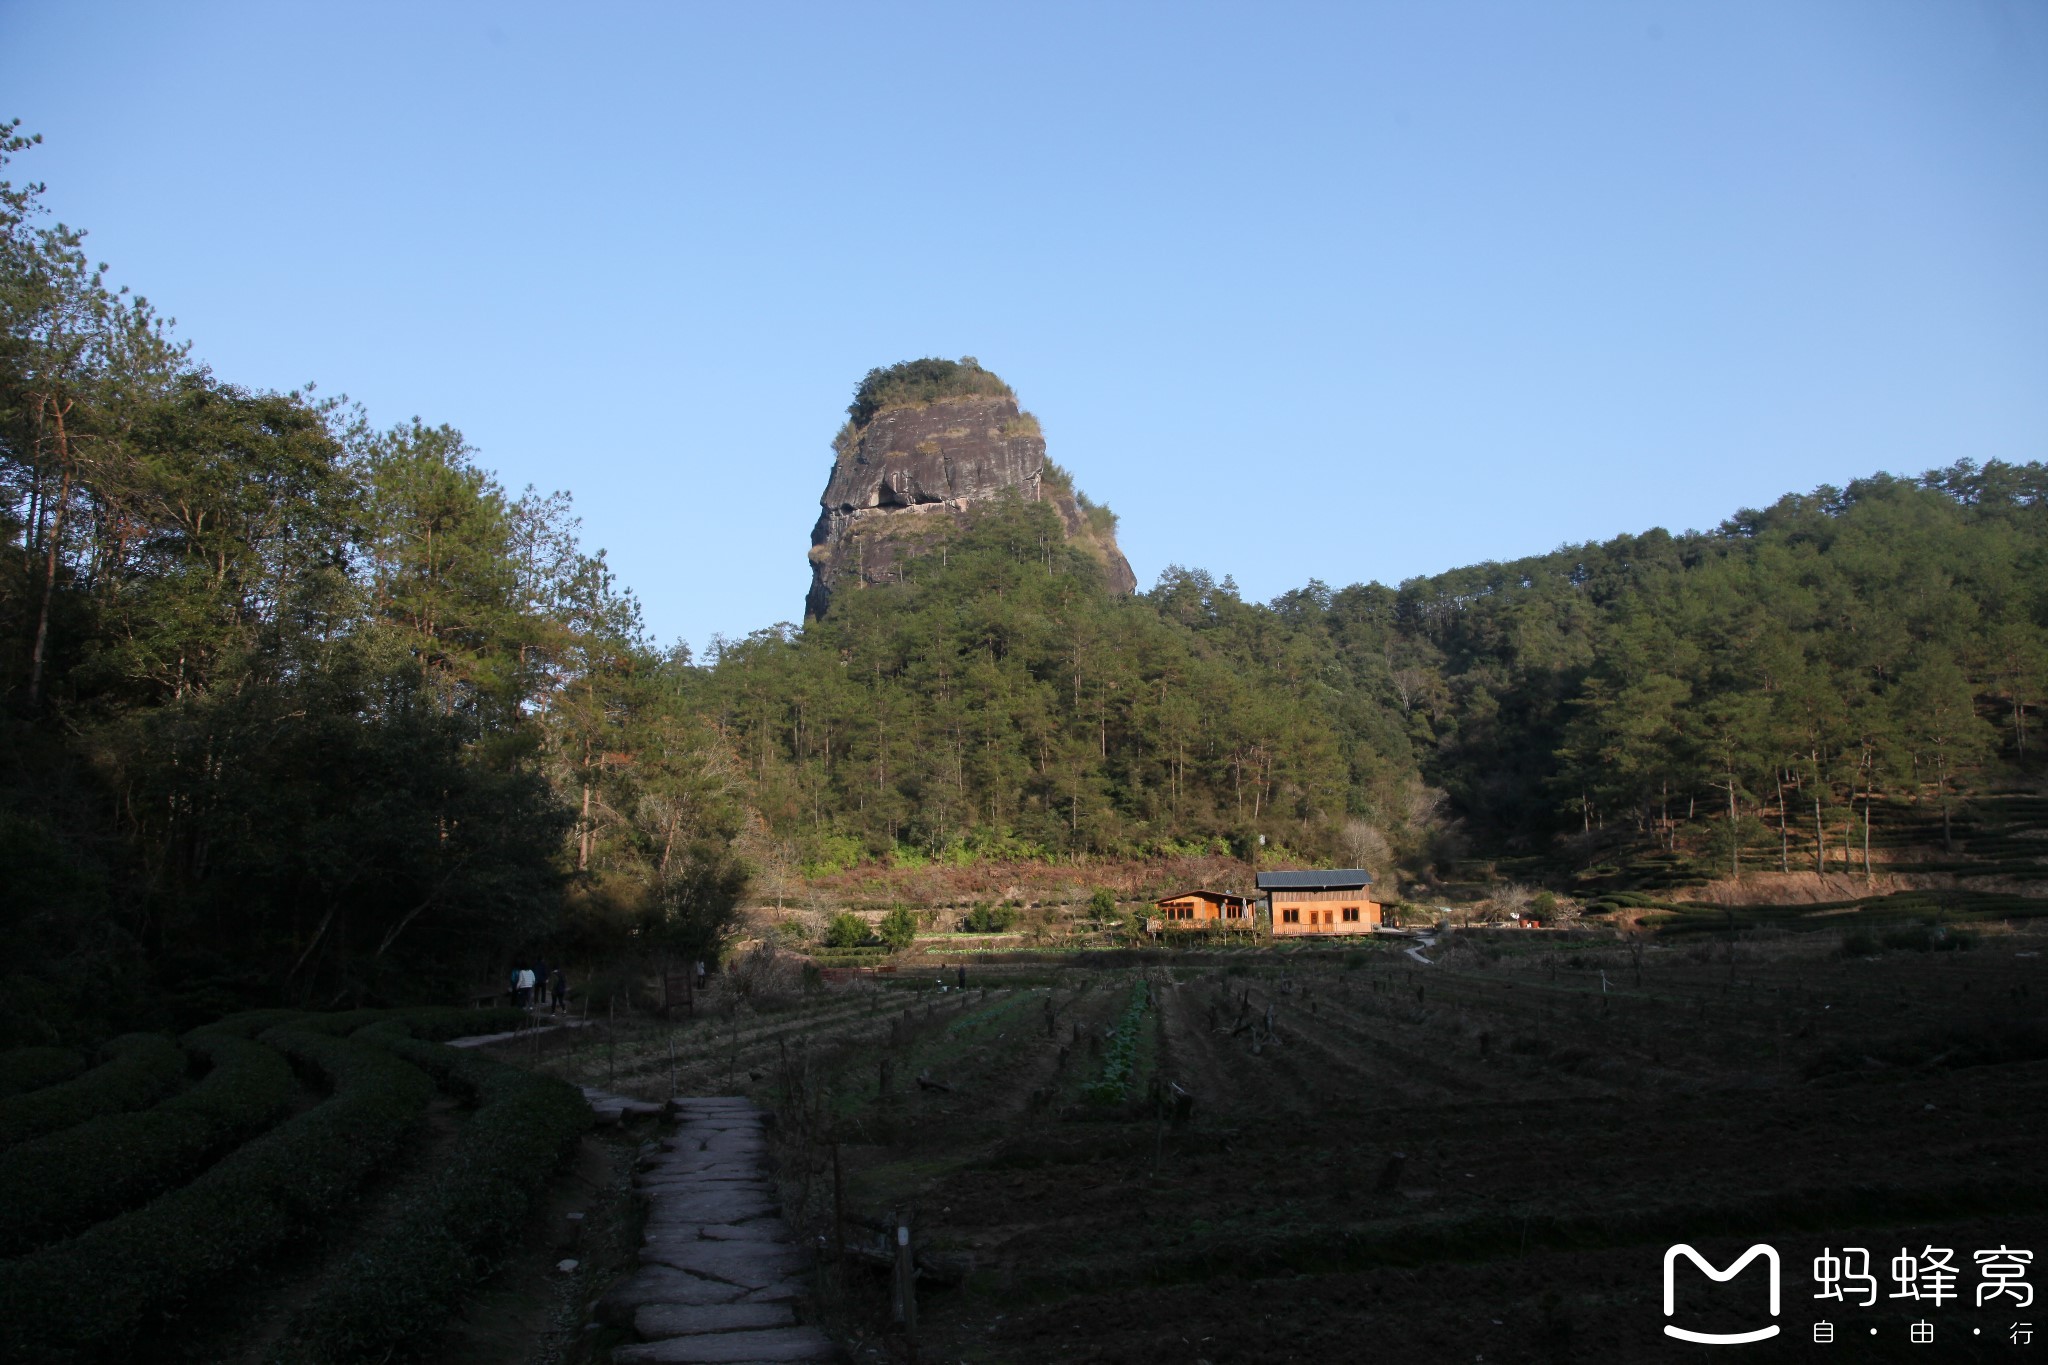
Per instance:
(1340,879)
(1211,895)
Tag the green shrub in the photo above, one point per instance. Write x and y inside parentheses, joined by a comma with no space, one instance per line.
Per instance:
(68,1180)
(88,1298)
(1543,905)
(1102,904)
(1928,938)
(249,1023)
(991,919)
(847,930)
(141,1068)
(836,853)
(898,928)
(339,1023)
(32,1068)
(911,383)
(391,1298)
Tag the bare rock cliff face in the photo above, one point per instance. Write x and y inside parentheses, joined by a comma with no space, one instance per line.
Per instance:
(904,479)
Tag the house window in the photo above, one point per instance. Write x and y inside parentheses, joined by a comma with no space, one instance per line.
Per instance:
(1351,914)
(1290,916)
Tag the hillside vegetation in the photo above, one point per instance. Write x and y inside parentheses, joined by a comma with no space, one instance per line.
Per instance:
(1764,684)
(297,709)
(912,383)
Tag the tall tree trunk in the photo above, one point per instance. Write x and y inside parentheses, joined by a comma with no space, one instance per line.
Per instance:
(38,653)
(1948,841)
(1784,830)
(1820,839)
(583,833)
(1866,833)
(1734,831)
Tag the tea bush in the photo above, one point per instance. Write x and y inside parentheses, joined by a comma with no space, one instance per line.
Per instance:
(32,1068)
(87,1299)
(71,1179)
(249,1023)
(390,1299)
(141,1068)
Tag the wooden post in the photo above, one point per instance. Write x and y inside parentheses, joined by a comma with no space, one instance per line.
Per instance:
(838,1216)
(906,1280)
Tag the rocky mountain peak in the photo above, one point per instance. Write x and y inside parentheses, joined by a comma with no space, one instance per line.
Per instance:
(924,442)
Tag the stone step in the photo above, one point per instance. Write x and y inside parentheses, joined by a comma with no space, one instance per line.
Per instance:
(662,1320)
(770,1346)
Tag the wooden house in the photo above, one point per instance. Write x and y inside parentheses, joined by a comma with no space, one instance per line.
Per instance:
(1204,910)
(1311,904)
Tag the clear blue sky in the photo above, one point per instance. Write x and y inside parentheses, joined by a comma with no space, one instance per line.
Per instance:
(1351,292)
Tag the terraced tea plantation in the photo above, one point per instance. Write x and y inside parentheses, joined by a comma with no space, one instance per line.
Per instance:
(153,1192)
(1250,1157)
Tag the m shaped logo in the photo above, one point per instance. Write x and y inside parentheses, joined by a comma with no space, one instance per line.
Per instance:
(1671,1255)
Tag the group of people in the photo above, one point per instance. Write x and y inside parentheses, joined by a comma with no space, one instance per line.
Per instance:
(532,986)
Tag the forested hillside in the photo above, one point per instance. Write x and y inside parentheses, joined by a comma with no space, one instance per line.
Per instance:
(301,708)
(1879,643)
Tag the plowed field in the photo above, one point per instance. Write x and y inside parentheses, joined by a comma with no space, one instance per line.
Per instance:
(1250,1157)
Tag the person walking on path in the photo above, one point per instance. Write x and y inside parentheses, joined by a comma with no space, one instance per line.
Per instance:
(540,983)
(560,988)
(526,988)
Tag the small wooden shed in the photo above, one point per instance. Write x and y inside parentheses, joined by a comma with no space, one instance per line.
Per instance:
(1311,904)
(1205,909)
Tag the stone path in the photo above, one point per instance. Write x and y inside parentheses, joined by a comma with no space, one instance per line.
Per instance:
(610,1108)
(719,1275)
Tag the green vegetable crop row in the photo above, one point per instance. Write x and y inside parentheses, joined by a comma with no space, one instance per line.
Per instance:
(1114,1082)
